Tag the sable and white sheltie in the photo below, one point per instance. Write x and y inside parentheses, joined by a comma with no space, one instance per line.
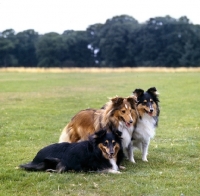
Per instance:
(118,112)
(102,152)
(148,109)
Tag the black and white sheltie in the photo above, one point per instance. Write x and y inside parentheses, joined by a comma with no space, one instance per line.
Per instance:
(148,110)
(102,152)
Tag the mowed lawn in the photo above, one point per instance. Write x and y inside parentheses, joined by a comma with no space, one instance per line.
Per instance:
(35,107)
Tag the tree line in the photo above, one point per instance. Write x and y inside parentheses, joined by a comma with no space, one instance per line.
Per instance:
(121,42)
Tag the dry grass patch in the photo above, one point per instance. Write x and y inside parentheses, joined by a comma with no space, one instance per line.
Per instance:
(101,70)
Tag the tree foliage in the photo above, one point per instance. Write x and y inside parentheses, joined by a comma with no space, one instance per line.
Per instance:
(25,48)
(7,46)
(120,42)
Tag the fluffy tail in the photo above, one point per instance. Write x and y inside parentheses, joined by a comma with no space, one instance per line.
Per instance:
(64,137)
(33,167)
(49,164)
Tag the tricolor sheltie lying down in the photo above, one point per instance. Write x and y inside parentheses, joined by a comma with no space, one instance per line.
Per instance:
(148,109)
(102,152)
(119,112)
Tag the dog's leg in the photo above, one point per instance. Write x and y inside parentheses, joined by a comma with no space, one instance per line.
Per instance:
(130,153)
(122,167)
(60,168)
(51,170)
(112,171)
(145,146)
(126,155)
(114,164)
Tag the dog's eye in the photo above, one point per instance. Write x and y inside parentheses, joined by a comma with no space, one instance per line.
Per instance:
(151,102)
(114,143)
(144,103)
(105,143)
(123,111)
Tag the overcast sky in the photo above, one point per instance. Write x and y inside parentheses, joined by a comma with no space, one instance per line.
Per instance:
(58,15)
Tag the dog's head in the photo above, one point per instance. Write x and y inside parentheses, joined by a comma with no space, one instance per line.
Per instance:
(108,141)
(122,109)
(147,102)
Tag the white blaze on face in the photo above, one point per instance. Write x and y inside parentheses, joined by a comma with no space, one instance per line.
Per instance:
(131,117)
(129,114)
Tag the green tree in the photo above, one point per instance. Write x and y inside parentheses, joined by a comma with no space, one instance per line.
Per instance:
(110,43)
(164,41)
(25,50)
(49,50)
(76,50)
(7,45)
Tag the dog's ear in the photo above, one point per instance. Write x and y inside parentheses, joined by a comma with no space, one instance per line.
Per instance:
(132,100)
(115,131)
(99,133)
(117,101)
(153,91)
(103,107)
(138,92)
(118,133)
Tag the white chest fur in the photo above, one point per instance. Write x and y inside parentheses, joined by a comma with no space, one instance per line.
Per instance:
(114,165)
(126,134)
(145,127)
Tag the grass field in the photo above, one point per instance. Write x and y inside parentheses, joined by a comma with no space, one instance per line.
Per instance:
(34,108)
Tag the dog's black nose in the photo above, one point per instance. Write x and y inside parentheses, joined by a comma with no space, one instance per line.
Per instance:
(130,121)
(111,151)
(151,110)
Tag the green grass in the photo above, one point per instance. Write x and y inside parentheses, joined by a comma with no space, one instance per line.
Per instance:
(34,108)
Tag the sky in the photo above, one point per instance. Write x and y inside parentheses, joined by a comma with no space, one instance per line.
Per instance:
(46,16)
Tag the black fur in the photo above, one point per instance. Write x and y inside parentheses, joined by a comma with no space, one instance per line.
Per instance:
(82,156)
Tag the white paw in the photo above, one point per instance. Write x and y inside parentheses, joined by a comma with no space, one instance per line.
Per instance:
(122,167)
(132,160)
(114,171)
(145,159)
(50,170)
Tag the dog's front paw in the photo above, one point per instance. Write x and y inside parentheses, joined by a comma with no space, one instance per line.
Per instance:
(51,170)
(114,171)
(145,159)
(122,167)
(132,161)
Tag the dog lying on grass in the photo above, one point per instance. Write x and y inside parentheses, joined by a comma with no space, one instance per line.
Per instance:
(118,112)
(102,152)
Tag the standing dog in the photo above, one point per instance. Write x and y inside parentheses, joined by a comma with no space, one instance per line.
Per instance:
(102,152)
(118,112)
(148,109)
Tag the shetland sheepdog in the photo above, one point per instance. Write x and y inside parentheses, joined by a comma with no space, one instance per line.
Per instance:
(102,153)
(118,112)
(148,109)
